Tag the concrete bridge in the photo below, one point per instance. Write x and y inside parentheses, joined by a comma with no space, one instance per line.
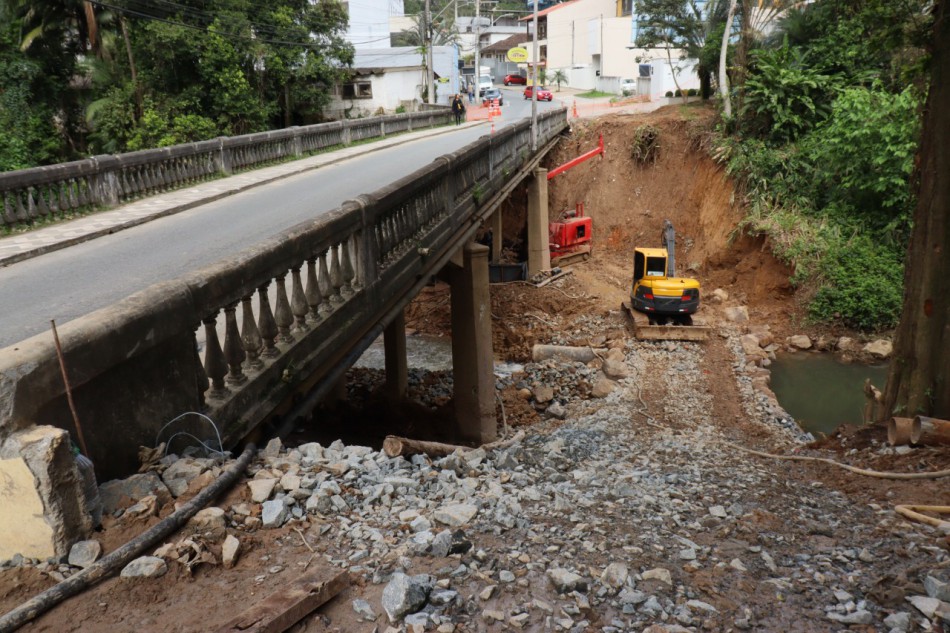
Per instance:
(280,323)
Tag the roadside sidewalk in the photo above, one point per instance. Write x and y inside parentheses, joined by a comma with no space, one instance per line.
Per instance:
(22,246)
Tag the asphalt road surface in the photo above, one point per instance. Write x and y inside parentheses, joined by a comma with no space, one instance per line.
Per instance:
(69,283)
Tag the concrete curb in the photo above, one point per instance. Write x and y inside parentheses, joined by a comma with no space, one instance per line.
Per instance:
(120,225)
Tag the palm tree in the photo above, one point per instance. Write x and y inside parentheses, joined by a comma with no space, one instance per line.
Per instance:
(558,77)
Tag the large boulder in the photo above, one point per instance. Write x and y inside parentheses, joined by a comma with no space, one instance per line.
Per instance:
(736,314)
(120,493)
(406,594)
(799,341)
(880,349)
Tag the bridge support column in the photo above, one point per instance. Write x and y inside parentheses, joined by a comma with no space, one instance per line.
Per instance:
(539,253)
(472,357)
(497,232)
(397,370)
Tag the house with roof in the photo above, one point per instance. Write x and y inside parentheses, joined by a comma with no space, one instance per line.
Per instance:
(384,80)
(495,56)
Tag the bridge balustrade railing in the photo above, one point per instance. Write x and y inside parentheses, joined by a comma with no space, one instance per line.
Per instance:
(31,195)
(284,311)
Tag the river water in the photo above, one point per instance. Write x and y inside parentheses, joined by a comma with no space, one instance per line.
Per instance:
(821,393)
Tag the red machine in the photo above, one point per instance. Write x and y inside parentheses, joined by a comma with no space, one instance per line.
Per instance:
(570,237)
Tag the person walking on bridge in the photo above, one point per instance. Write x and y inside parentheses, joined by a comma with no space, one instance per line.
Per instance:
(458,108)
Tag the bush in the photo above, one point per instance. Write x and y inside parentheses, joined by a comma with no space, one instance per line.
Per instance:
(646,144)
(692,92)
(863,286)
(669,93)
(784,96)
(862,157)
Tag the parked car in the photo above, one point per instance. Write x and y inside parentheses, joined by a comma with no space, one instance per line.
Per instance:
(492,94)
(543,93)
(628,87)
(516,79)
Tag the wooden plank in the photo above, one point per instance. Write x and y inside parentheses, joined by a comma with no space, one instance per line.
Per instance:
(284,608)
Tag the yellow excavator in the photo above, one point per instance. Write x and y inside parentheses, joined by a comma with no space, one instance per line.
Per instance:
(662,305)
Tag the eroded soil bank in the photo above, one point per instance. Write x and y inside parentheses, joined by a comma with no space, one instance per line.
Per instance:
(628,506)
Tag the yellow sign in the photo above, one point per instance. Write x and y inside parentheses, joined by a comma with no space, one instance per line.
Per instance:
(518,55)
(443,80)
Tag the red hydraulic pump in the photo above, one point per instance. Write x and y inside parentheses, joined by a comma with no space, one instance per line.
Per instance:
(570,236)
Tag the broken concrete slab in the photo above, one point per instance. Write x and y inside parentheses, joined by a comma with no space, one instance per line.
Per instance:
(119,493)
(41,493)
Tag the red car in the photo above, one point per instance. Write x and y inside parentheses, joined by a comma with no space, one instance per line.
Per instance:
(516,79)
(543,94)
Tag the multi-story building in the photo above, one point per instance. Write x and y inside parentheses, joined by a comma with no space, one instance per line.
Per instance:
(592,42)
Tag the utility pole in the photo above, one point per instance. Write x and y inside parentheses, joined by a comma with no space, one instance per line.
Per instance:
(535,82)
(478,48)
(430,76)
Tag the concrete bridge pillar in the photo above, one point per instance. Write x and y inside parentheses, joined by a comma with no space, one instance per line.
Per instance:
(397,370)
(472,356)
(497,232)
(539,253)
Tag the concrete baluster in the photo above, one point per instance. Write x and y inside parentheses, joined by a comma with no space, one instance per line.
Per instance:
(346,264)
(298,301)
(202,375)
(250,335)
(41,202)
(233,347)
(283,315)
(336,275)
(313,294)
(266,324)
(356,243)
(216,367)
(326,288)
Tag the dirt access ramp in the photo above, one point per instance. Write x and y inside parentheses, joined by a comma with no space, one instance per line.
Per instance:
(629,200)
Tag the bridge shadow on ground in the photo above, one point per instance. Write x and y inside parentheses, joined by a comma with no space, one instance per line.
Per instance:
(367,416)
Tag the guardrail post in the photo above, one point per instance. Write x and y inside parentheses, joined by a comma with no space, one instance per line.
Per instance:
(222,159)
(297,143)
(347,137)
(105,189)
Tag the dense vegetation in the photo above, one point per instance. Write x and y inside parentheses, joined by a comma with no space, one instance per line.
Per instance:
(80,78)
(823,138)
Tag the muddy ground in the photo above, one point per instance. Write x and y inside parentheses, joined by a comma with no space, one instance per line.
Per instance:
(629,202)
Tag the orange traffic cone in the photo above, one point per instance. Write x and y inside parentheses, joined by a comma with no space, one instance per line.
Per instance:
(574,109)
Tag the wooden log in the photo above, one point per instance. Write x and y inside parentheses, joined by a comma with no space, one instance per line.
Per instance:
(287,606)
(395,446)
(933,428)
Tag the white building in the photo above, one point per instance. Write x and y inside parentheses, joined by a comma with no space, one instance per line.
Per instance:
(386,79)
(369,22)
(592,42)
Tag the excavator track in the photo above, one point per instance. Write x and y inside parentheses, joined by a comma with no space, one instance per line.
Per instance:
(689,329)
